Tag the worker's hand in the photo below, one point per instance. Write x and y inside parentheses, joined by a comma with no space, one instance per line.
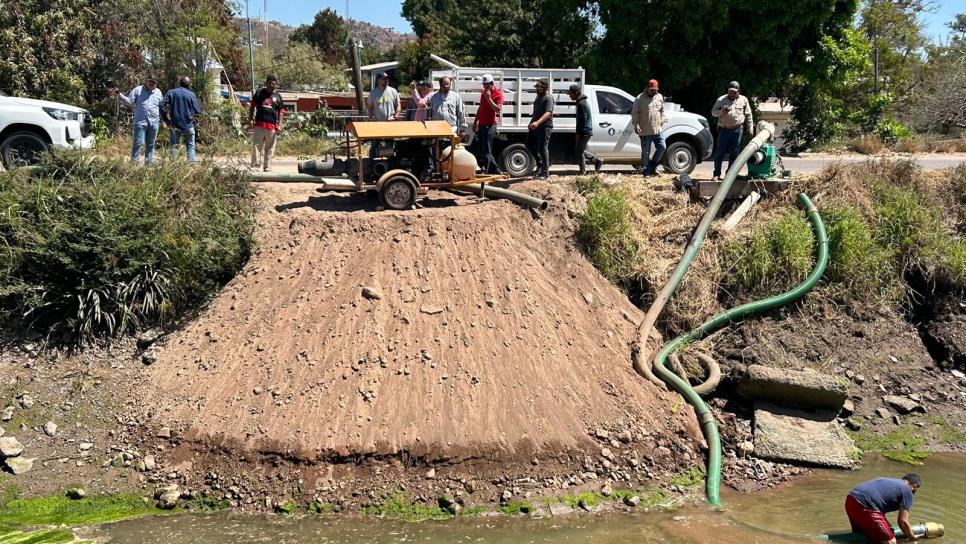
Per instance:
(486,92)
(532,126)
(726,108)
(637,130)
(164,125)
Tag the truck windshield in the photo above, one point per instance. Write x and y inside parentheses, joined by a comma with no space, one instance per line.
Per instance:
(613,103)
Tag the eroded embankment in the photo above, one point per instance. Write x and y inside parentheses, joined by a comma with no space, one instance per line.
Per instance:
(464,331)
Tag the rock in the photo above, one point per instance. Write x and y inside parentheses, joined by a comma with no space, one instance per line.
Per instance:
(149,462)
(607,491)
(745,448)
(589,298)
(76,493)
(7,414)
(958,374)
(257,390)
(601,434)
(859,379)
(431,474)
(149,357)
(883,413)
(85,446)
(853,425)
(560,510)
(168,497)
(148,337)
(625,437)
(632,501)
(902,405)
(431,310)
(19,465)
(793,387)
(50,428)
(447,503)
(164,432)
(372,293)
(506,496)
(797,436)
(848,408)
(26,401)
(10,446)
(470,487)
(583,505)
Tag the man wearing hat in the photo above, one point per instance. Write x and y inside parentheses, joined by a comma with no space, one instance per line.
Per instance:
(484,125)
(383,102)
(585,130)
(541,127)
(869,502)
(734,114)
(145,100)
(649,119)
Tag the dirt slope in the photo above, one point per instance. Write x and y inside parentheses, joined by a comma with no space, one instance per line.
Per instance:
(487,335)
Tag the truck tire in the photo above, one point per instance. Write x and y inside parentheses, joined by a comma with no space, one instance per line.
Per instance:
(516,161)
(680,158)
(22,148)
(398,193)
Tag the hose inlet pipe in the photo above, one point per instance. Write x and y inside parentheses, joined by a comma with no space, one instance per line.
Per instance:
(708,426)
(513,196)
(642,357)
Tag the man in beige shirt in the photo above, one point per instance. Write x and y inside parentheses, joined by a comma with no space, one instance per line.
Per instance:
(734,115)
(648,116)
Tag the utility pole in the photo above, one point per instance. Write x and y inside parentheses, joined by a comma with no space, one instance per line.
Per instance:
(251,50)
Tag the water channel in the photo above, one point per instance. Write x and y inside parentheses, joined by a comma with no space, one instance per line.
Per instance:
(789,514)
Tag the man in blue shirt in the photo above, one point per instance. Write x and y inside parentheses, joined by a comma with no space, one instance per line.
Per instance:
(869,502)
(146,101)
(178,110)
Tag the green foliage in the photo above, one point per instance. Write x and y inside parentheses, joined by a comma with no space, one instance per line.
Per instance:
(857,265)
(320,508)
(59,510)
(96,247)
(689,478)
(891,131)
(208,503)
(904,444)
(775,256)
(41,536)
(300,66)
(516,507)
(590,499)
(401,506)
(328,33)
(606,231)
(287,507)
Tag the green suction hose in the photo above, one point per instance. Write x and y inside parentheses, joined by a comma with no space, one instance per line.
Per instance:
(708,426)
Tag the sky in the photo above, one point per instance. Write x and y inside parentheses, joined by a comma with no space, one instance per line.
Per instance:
(386,13)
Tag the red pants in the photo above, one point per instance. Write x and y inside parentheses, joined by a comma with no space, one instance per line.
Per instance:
(872,523)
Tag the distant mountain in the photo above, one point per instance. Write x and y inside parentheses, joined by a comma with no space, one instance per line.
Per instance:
(274,34)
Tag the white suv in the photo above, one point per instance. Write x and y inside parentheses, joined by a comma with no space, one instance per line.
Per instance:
(29,127)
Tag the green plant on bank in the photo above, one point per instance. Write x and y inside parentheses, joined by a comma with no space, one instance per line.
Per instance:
(586,185)
(689,478)
(59,510)
(516,507)
(41,536)
(287,507)
(93,247)
(401,506)
(858,267)
(606,231)
(773,257)
(320,508)
(208,503)
(904,443)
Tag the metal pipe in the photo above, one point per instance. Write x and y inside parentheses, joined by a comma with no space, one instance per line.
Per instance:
(513,196)
(357,74)
(328,184)
(642,358)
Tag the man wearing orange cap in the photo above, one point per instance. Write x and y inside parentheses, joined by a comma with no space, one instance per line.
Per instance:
(648,117)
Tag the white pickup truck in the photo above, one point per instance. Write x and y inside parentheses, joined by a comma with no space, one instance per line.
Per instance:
(29,127)
(687,136)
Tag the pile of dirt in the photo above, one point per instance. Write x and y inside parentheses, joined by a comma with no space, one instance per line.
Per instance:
(465,330)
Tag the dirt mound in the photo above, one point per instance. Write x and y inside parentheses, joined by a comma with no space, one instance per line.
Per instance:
(463,330)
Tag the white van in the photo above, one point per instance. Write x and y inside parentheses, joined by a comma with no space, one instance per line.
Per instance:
(687,135)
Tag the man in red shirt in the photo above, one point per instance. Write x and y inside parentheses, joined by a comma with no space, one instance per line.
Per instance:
(266,111)
(484,126)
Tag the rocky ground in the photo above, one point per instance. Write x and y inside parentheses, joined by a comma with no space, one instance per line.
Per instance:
(317,379)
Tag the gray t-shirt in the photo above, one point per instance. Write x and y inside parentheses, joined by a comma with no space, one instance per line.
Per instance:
(382,103)
(542,105)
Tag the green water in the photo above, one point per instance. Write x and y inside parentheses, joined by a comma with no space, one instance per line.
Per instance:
(802,508)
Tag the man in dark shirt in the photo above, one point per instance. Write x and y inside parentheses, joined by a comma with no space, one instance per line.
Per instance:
(541,127)
(869,502)
(266,112)
(585,129)
(178,111)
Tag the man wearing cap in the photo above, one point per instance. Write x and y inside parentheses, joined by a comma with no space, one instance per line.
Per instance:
(484,125)
(383,102)
(446,105)
(145,100)
(585,130)
(541,128)
(734,113)
(649,119)
(869,502)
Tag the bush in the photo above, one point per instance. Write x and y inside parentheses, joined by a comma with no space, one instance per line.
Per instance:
(867,144)
(775,256)
(606,232)
(891,131)
(94,247)
(858,268)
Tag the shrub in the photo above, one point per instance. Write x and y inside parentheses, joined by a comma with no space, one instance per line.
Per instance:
(867,144)
(775,256)
(857,265)
(606,232)
(891,131)
(95,247)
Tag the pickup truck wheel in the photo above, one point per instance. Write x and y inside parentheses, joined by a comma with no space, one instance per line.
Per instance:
(398,193)
(680,158)
(22,149)
(516,160)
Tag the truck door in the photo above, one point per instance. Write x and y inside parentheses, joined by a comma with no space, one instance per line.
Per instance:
(613,128)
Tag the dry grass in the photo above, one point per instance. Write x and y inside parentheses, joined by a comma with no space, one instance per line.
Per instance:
(867,144)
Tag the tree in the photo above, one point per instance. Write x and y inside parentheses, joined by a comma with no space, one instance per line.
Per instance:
(898,43)
(940,102)
(329,33)
(300,67)
(695,48)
